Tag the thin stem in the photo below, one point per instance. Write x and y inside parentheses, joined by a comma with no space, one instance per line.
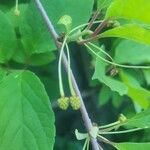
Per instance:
(16,11)
(82,26)
(120,132)
(116,64)
(110,125)
(94,35)
(16,8)
(105,140)
(100,27)
(110,128)
(89,39)
(100,49)
(85,116)
(69,73)
(61,88)
(78,35)
(93,19)
(88,144)
(101,138)
(85,144)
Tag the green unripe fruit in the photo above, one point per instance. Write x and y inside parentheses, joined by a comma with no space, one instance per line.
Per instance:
(17,12)
(63,103)
(75,102)
(122,118)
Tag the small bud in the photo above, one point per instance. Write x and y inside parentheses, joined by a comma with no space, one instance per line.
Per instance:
(66,21)
(116,24)
(63,103)
(110,23)
(75,102)
(113,72)
(113,23)
(17,12)
(122,118)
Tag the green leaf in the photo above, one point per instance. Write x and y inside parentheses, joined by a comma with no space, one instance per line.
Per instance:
(7,39)
(104,95)
(116,100)
(41,59)
(130,9)
(21,56)
(35,36)
(137,93)
(35,59)
(129,31)
(16,20)
(26,53)
(3,73)
(127,51)
(113,84)
(27,119)
(132,146)
(101,4)
(6,5)
(140,120)
(147,75)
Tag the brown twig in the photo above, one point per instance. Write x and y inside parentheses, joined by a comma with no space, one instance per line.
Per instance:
(99,28)
(85,116)
(95,35)
(88,40)
(93,19)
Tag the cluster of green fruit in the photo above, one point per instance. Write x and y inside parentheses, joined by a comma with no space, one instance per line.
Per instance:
(74,101)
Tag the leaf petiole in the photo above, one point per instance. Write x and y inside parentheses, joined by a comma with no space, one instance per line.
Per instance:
(100,49)
(109,125)
(69,73)
(121,132)
(113,63)
(61,88)
(85,144)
